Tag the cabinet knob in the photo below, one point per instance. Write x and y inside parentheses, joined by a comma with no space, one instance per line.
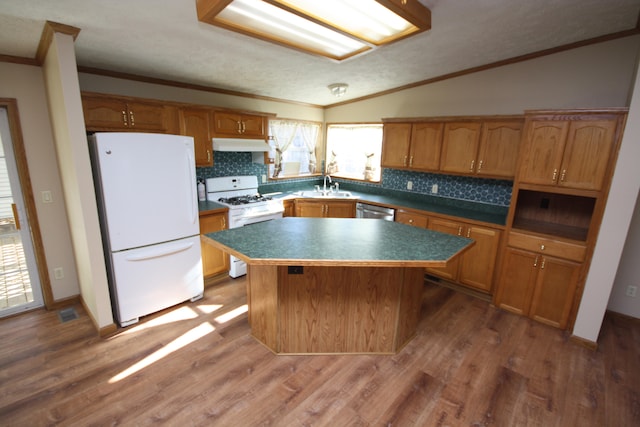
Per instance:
(411,161)
(404,162)
(535,261)
(480,164)
(542,265)
(131,118)
(124,118)
(555,175)
(411,221)
(460,231)
(563,175)
(473,163)
(542,247)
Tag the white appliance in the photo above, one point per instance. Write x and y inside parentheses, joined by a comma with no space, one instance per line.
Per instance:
(246,206)
(146,193)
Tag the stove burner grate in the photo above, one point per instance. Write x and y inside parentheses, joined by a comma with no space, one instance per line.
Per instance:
(244,200)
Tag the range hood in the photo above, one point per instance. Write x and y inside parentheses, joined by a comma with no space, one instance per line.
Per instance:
(237,144)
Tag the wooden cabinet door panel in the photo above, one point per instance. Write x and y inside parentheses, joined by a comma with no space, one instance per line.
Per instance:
(309,209)
(426,144)
(517,281)
(340,210)
(554,291)
(227,124)
(499,148)
(542,152)
(587,153)
(396,138)
(460,147)
(445,226)
(254,126)
(103,113)
(214,261)
(195,122)
(144,116)
(478,263)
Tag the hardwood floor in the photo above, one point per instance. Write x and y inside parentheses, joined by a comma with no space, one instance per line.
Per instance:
(470,365)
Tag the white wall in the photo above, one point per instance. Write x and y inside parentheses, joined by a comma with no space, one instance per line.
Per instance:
(628,272)
(65,106)
(25,83)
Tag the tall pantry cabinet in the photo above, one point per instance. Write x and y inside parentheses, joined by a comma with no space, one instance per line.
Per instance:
(560,190)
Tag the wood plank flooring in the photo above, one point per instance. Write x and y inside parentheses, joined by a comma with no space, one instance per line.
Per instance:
(196,364)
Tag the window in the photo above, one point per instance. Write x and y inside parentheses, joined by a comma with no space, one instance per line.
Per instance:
(353,151)
(294,146)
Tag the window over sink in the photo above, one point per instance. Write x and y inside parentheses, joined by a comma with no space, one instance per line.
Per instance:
(354,151)
(294,146)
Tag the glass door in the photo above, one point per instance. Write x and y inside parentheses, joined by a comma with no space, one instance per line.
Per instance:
(19,281)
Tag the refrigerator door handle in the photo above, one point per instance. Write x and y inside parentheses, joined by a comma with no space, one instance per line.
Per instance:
(191,173)
(143,255)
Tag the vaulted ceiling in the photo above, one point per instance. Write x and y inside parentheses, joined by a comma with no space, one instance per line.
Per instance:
(163,39)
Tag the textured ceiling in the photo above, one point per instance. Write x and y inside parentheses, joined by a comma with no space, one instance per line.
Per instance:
(164,39)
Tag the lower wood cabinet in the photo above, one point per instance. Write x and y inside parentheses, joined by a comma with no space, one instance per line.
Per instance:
(325,209)
(539,286)
(412,218)
(476,267)
(289,208)
(214,261)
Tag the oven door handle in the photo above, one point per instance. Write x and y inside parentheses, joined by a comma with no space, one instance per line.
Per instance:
(265,214)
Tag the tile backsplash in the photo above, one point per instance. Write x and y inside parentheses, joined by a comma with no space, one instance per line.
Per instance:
(490,191)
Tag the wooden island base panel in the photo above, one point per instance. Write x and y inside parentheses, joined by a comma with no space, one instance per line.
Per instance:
(336,285)
(319,310)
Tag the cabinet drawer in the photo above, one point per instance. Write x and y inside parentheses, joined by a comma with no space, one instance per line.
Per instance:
(566,250)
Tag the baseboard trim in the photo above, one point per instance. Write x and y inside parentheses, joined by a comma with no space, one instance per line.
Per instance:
(65,302)
(103,331)
(591,345)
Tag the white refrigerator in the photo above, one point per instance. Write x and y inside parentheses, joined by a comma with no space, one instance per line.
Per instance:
(146,194)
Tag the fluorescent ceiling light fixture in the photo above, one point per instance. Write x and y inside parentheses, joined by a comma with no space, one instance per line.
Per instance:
(337,29)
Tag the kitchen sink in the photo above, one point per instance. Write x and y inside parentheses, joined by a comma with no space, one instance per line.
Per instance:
(326,194)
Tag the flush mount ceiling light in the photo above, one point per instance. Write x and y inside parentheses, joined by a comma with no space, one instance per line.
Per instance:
(338,89)
(337,29)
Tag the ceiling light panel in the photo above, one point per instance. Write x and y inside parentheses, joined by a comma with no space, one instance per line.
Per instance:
(337,29)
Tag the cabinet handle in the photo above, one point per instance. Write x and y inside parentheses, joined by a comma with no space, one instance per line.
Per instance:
(244,127)
(239,129)
(411,161)
(480,164)
(224,223)
(124,118)
(542,247)
(542,265)
(555,175)
(473,163)
(404,162)
(564,174)
(133,123)
(468,232)
(535,262)
(460,231)
(208,156)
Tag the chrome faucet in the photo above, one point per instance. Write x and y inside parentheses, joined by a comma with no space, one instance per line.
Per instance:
(324,187)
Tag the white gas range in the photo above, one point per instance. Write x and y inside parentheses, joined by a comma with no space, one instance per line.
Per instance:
(246,206)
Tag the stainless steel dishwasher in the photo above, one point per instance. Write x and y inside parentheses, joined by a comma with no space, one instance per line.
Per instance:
(364,210)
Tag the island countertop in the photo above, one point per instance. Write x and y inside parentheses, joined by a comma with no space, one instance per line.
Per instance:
(339,242)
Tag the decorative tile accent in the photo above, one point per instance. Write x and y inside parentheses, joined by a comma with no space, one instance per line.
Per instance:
(490,191)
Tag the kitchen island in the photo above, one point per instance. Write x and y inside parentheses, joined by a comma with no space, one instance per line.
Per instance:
(334,285)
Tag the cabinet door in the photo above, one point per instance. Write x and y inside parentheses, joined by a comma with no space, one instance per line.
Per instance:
(426,144)
(254,126)
(450,227)
(195,122)
(105,114)
(396,138)
(554,291)
(517,281)
(586,155)
(148,117)
(411,218)
(460,147)
(289,208)
(542,153)
(227,124)
(340,209)
(499,148)
(478,263)
(309,208)
(214,261)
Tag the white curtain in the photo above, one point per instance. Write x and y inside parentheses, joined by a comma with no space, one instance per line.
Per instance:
(283,133)
(309,133)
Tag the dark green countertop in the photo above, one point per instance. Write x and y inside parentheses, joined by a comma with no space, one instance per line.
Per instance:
(339,242)
(210,206)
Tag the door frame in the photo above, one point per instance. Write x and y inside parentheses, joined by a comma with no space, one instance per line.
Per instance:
(20,154)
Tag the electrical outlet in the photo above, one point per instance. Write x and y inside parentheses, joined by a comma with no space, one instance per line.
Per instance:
(264,178)
(631,291)
(409,185)
(434,189)
(58,273)
(46,197)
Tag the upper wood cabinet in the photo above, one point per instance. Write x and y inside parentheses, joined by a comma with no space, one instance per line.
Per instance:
(195,122)
(239,125)
(499,148)
(123,114)
(412,146)
(460,147)
(396,139)
(567,153)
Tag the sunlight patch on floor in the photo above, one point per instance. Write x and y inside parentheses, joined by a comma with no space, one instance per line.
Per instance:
(175,345)
(223,318)
(177,315)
